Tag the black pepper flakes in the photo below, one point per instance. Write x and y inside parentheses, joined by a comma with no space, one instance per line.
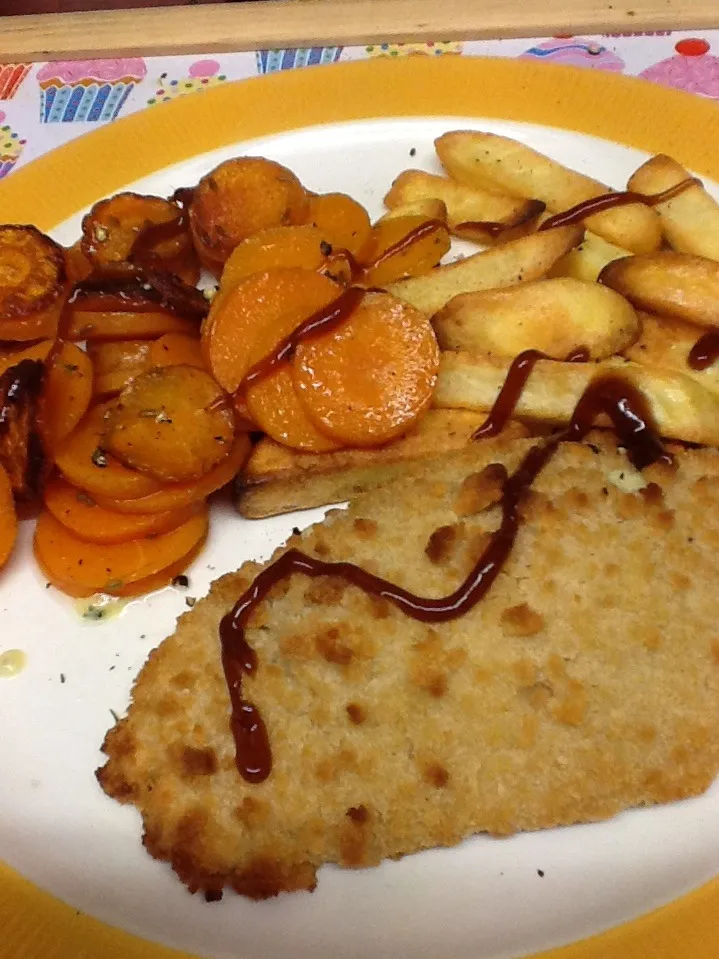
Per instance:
(540,873)
(62,677)
(325,248)
(413,151)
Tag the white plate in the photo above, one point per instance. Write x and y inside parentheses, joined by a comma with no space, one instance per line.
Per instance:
(485,898)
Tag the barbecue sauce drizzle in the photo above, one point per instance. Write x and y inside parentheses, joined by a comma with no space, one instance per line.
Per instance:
(609,394)
(597,204)
(705,351)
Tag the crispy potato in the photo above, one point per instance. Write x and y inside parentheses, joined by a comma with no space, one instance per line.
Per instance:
(493,162)
(428,207)
(277,480)
(467,207)
(555,316)
(671,284)
(691,220)
(518,261)
(682,409)
(666,343)
(586,261)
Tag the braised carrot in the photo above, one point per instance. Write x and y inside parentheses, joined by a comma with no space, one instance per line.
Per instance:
(277,246)
(8,518)
(367,381)
(176,349)
(275,407)
(116,363)
(66,394)
(388,257)
(38,351)
(343,222)
(95,326)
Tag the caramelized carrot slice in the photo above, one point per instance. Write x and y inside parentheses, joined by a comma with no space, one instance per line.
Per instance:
(32,272)
(8,518)
(176,349)
(96,326)
(275,407)
(173,423)
(343,222)
(256,315)
(181,494)
(112,227)
(368,380)
(38,351)
(41,325)
(84,461)
(277,246)
(238,198)
(79,513)
(115,364)
(66,395)
(81,569)
(77,265)
(404,246)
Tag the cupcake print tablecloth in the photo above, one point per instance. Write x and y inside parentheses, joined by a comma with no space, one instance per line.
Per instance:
(44,105)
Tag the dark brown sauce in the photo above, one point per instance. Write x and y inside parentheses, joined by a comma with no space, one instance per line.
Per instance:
(322,321)
(495,229)
(155,233)
(139,289)
(609,201)
(705,351)
(20,389)
(611,395)
(514,382)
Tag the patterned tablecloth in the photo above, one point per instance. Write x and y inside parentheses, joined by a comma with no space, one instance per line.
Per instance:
(44,105)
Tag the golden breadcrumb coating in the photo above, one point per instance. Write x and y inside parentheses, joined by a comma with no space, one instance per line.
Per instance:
(587,681)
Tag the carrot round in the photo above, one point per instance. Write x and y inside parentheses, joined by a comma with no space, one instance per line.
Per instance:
(176,349)
(178,495)
(277,410)
(255,316)
(368,380)
(238,198)
(81,569)
(38,351)
(173,423)
(96,325)
(8,518)
(343,222)
(80,514)
(116,363)
(386,257)
(67,393)
(84,461)
(112,227)
(77,265)
(277,246)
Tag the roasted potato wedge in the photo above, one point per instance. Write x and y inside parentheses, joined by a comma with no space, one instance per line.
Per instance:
(690,221)
(499,163)
(468,208)
(517,261)
(428,207)
(277,480)
(682,409)
(586,261)
(554,316)
(671,284)
(667,343)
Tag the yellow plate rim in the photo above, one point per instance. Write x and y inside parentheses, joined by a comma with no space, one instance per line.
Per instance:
(48,190)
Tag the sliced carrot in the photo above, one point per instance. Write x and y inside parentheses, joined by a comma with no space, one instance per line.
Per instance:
(181,494)
(8,518)
(66,394)
(38,351)
(41,325)
(173,423)
(176,349)
(94,326)
(116,363)
(367,381)
(343,222)
(387,259)
(81,569)
(79,513)
(256,315)
(77,265)
(277,246)
(84,461)
(275,407)
(112,227)
(32,271)
(238,198)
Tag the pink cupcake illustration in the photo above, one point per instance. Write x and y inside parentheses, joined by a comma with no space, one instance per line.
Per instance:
(87,91)
(202,75)
(11,76)
(693,69)
(11,146)
(576,52)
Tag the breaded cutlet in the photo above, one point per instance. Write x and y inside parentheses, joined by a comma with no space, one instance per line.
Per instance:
(585,682)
